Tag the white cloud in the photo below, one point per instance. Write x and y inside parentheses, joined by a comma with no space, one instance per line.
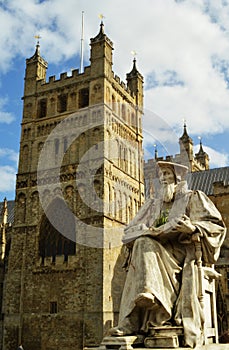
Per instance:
(182,46)
(8,171)
(8,178)
(9,154)
(5,117)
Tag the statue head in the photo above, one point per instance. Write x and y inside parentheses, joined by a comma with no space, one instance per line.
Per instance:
(170,176)
(179,171)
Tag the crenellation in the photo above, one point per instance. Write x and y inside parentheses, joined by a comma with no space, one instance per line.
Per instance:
(64,76)
(116,78)
(73,78)
(75,72)
(52,78)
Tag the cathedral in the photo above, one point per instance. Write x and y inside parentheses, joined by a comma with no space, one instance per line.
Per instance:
(81,178)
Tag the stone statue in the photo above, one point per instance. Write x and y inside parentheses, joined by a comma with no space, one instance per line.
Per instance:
(161,282)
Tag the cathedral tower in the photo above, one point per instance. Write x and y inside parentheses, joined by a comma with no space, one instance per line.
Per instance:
(80,180)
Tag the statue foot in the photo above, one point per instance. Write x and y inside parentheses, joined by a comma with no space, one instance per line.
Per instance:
(146,300)
(119,331)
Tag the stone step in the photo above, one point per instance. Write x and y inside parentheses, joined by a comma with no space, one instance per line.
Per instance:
(122,346)
(204,347)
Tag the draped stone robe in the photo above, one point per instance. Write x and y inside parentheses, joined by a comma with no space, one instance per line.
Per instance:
(164,264)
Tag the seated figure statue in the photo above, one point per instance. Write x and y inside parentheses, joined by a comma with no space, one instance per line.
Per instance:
(161,281)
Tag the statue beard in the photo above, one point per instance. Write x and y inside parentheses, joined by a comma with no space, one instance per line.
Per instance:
(167,192)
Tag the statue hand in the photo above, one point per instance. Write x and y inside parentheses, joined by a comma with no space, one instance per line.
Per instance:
(152,231)
(184,225)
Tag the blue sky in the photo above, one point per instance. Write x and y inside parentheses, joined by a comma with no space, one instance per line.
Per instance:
(182,52)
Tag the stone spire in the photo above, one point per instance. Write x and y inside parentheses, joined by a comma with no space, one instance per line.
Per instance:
(101,54)
(101,34)
(202,157)
(186,147)
(36,68)
(135,84)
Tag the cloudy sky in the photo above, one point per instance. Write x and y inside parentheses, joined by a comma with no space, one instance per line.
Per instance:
(182,51)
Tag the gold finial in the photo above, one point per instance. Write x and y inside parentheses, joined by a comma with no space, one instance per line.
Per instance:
(38,37)
(101,16)
(134,53)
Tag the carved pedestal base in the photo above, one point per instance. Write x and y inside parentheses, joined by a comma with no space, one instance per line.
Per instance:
(122,343)
(163,337)
(162,342)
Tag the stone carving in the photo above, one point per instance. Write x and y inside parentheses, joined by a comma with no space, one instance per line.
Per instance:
(161,282)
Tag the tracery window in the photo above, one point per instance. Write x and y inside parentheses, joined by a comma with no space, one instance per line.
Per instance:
(58,240)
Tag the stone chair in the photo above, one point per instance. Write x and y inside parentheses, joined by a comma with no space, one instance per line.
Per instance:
(207,295)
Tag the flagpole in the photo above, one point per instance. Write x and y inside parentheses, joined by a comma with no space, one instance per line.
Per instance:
(82,44)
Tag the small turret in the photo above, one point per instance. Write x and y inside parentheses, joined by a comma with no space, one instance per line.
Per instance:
(202,157)
(36,68)
(135,84)
(186,147)
(101,54)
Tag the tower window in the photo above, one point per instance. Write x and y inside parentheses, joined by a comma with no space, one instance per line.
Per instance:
(42,108)
(83,98)
(65,144)
(57,143)
(53,307)
(62,103)
(51,241)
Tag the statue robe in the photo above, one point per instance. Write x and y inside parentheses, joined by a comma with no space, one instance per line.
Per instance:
(165,266)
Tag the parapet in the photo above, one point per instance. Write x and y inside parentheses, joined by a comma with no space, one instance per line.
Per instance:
(74,75)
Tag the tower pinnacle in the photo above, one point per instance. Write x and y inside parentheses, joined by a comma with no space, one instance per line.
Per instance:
(202,157)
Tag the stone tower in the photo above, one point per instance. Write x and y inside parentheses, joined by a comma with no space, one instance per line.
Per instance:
(80,180)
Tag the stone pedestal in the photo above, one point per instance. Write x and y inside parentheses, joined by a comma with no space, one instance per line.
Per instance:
(164,337)
(162,342)
(138,347)
(122,343)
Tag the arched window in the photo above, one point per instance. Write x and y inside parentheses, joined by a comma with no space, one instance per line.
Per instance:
(25,158)
(42,108)
(58,237)
(65,144)
(21,202)
(83,97)
(123,111)
(62,103)
(113,104)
